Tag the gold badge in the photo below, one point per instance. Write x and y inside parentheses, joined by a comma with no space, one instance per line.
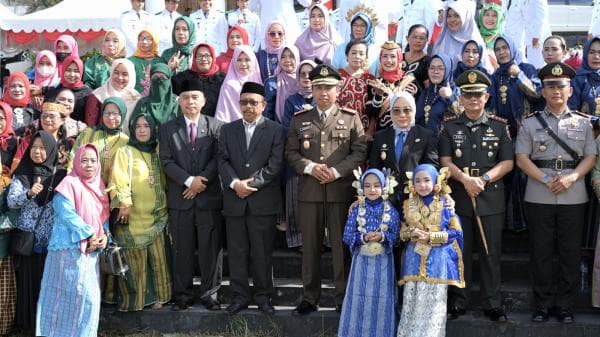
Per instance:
(495,144)
(340,121)
(383,155)
(490,154)
(557,70)
(458,153)
(489,130)
(384,146)
(472,77)
(542,148)
(484,144)
(417,140)
(324,72)
(306,145)
(574,123)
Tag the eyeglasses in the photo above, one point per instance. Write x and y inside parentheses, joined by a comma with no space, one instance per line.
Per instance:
(276,34)
(359,25)
(144,39)
(203,56)
(49,116)
(399,111)
(250,102)
(111,114)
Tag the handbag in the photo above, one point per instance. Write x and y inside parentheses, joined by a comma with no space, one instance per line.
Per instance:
(8,216)
(113,260)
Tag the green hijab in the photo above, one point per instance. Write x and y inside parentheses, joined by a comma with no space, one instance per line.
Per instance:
(122,109)
(188,47)
(150,145)
(490,35)
(161,102)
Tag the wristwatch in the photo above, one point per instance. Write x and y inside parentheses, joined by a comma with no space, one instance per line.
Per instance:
(546,179)
(486,178)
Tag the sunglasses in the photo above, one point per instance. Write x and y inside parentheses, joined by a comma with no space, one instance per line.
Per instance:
(276,34)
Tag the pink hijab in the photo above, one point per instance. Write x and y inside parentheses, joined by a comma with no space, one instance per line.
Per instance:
(228,107)
(320,45)
(268,48)
(87,195)
(287,83)
(46,81)
(69,41)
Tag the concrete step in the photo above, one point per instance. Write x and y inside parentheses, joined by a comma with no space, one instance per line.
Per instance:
(324,323)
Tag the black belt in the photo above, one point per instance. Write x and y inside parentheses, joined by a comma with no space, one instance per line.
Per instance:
(556,164)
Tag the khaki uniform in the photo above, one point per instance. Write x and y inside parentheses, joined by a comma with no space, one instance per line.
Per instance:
(339,142)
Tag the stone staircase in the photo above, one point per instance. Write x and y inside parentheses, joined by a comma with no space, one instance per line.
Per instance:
(516,291)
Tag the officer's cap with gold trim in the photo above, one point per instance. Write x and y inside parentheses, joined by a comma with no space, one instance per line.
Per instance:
(556,73)
(324,74)
(473,81)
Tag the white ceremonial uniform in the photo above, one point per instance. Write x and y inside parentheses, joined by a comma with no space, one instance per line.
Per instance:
(424,12)
(526,20)
(211,29)
(278,10)
(131,24)
(594,29)
(163,26)
(251,23)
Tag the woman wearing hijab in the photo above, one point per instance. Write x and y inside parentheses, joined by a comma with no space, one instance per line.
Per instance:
(275,39)
(586,84)
(320,39)
(72,127)
(471,59)
(245,69)
(107,136)
(205,68)
(8,287)
(17,95)
(440,97)
(145,55)
(71,273)
(64,47)
(121,84)
(46,71)
(179,57)
(97,67)
(31,191)
(160,103)
(236,36)
(283,84)
(361,28)
(303,99)
(137,188)
(71,78)
(459,27)
(491,26)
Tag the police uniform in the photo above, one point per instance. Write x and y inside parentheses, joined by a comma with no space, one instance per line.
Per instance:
(211,28)
(131,24)
(339,142)
(550,215)
(478,145)
(164,22)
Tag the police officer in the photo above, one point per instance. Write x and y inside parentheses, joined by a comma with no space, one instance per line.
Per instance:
(211,26)
(556,149)
(132,21)
(477,148)
(324,145)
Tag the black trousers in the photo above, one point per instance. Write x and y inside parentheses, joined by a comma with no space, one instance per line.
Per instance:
(250,241)
(196,236)
(489,265)
(555,230)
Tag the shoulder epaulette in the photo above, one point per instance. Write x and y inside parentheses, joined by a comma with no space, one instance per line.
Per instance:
(159,13)
(450,117)
(581,114)
(498,119)
(533,113)
(349,111)
(301,112)
(125,12)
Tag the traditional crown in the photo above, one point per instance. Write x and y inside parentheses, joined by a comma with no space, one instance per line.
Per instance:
(365,9)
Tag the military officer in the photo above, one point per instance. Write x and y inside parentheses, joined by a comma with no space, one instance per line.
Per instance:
(211,26)
(477,148)
(556,149)
(132,21)
(324,145)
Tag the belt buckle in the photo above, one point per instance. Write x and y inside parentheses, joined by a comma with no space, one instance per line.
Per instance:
(558,164)
(475,172)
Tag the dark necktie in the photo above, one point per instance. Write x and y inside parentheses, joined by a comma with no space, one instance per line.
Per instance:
(193,134)
(400,144)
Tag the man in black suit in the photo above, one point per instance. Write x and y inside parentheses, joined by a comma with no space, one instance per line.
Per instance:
(188,148)
(250,165)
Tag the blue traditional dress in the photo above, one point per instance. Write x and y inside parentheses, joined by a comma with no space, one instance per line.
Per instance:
(461,67)
(369,303)
(586,85)
(267,63)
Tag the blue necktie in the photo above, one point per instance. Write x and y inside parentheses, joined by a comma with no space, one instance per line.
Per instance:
(400,138)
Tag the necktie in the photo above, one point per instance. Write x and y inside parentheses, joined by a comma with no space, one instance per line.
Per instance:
(247,128)
(400,144)
(193,134)
(206,15)
(323,117)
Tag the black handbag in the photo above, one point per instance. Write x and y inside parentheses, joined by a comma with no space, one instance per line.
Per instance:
(113,260)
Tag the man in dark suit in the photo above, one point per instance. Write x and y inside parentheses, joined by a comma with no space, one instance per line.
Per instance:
(188,148)
(250,165)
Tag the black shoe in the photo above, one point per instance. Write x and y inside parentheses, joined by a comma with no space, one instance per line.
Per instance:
(565,316)
(210,304)
(267,308)
(236,307)
(496,315)
(304,308)
(338,308)
(455,312)
(540,315)
(180,306)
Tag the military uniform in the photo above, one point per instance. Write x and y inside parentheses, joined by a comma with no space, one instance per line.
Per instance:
(550,215)
(211,29)
(478,145)
(131,24)
(339,142)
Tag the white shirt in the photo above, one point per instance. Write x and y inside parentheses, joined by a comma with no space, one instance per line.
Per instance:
(278,10)
(423,12)
(594,29)
(131,25)
(249,129)
(164,22)
(251,23)
(211,29)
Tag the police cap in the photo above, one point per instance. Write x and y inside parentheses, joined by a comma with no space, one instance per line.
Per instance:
(556,73)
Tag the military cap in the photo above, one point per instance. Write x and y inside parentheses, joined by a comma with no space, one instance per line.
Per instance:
(253,88)
(324,74)
(473,81)
(556,73)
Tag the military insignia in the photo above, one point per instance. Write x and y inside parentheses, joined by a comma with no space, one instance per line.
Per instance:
(306,145)
(484,144)
(340,121)
(575,123)
(324,72)
(542,148)
(495,144)
(383,155)
(384,146)
(458,153)
(472,77)
(557,70)
(306,136)
(489,130)
(417,140)
(307,106)
(490,154)
(305,123)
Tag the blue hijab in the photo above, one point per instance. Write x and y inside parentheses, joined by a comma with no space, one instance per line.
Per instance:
(380,175)
(433,173)
(585,67)
(369,31)
(515,54)
(461,67)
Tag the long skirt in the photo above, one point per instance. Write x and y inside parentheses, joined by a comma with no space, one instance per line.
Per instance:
(148,280)
(596,275)
(423,310)
(29,271)
(69,303)
(368,308)
(8,294)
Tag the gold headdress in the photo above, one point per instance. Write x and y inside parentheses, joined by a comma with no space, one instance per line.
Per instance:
(364,9)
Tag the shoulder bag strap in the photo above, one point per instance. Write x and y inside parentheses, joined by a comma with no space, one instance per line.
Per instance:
(559,141)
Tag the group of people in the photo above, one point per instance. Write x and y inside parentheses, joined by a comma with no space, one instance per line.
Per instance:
(252,142)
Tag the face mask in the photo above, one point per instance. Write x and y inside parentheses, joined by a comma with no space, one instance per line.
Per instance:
(45,70)
(62,56)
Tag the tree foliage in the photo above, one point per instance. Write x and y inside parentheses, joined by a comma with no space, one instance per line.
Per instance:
(33,5)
